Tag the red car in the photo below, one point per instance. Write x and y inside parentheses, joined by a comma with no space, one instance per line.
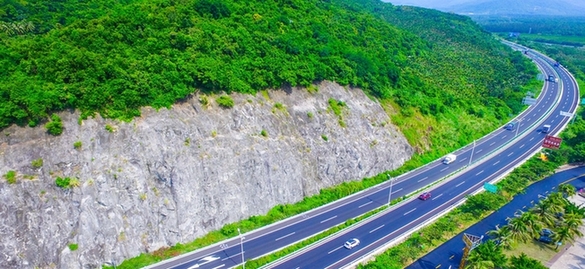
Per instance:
(424,196)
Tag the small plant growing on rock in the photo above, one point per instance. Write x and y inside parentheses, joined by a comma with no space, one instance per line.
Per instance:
(312,89)
(77,145)
(142,196)
(55,126)
(38,163)
(310,115)
(10,177)
(264,133)
(110,128)
(225,101)
(73,247)
(74,182)
(203,100)
(63,182)
(213,133)
(187,141)
(324,137)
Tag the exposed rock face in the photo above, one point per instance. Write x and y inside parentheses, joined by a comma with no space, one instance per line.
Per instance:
(173,175)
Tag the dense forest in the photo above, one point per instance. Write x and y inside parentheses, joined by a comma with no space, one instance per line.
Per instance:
(113,57)
(549,25)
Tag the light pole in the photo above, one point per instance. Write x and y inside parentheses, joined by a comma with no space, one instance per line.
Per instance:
(472,149)
(390,190)
(242,249)
(518,127)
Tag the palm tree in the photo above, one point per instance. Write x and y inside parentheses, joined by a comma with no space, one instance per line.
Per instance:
(573,221)
(563,234)
(532,222)
(572,208)
(502,236)
(519,230)
(525,262)
(545,210)
(567,190)
(487,255)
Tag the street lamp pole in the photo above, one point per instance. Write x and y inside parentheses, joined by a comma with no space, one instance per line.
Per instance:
(242,249)
(472,149)
(390,190)
(518,127)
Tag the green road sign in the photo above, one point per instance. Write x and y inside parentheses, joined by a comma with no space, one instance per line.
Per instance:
(490,187)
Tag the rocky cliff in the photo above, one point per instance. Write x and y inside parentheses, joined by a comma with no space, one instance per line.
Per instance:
(173,175)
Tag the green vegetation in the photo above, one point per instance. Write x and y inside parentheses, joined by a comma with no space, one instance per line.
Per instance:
(115,57)
(55,126)
(38,163)
(73,247)
(225,101)
(77,145)
(63,183)
(324,137)
(264,133)
(10,177)
(110,128)
(571,29)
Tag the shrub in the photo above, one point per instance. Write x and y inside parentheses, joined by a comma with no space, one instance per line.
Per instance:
(110,128)
(55,126)
(203,100)
(73,247)
(77,145)
(10,177)
(310,115)
(324,137)
(63,182)
(38,163)
(225,101)
(264,133)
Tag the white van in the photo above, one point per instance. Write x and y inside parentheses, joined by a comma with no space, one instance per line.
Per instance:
(449,158)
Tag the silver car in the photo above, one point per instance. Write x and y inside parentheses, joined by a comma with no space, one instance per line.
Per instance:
(351,243)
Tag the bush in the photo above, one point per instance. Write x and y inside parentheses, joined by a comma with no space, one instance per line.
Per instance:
(10,177)
(73,247)
(77,145)
(63,183)
(55,126)
(38,163)
(225,101)
(110,128)
(264,133)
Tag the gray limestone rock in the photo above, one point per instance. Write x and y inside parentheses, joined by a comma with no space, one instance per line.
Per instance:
(175,174)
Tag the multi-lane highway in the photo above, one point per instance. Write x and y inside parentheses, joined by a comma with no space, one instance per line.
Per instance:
(492,155)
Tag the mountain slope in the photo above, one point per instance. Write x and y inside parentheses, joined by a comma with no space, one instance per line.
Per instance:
(519,7)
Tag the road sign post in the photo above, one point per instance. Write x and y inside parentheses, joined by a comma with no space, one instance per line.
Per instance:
(552,142)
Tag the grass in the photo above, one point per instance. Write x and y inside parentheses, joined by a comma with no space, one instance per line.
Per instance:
(534,249)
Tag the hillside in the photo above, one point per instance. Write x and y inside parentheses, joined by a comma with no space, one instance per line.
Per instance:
(520,7)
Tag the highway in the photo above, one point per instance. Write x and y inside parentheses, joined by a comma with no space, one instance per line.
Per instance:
(399,219)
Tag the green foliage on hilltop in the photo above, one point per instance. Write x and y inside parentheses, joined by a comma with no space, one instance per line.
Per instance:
(113,57)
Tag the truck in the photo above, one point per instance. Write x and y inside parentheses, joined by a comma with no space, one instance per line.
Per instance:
(546,128)
(449,158)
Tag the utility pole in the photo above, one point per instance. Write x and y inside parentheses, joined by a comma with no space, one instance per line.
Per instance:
(472,149)
(242,249)
(390,190)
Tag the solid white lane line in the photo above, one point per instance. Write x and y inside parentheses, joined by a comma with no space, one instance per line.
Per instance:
(522,146)
(444,168)
(219,266)
(459,184)
(422,179)
(496,163)
(479,173)
(377,229)
(396,191)
(510,154)
(365,204)
(409,211)
(437,196)
(492,143)
(284,236)
(334,250)
(329,219)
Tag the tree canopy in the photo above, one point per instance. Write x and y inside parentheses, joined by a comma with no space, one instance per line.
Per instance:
(113,57)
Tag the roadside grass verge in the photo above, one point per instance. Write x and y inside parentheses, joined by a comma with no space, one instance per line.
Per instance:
(534,249)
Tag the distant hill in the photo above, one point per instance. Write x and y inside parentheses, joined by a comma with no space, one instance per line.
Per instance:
(519,7)
(502,7)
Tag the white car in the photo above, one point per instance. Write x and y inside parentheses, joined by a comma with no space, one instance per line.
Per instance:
(351,243)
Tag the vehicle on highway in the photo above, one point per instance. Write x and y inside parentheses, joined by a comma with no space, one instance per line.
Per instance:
(449,158)
(351,243)
(424,196)
(546,128)
(510,126)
